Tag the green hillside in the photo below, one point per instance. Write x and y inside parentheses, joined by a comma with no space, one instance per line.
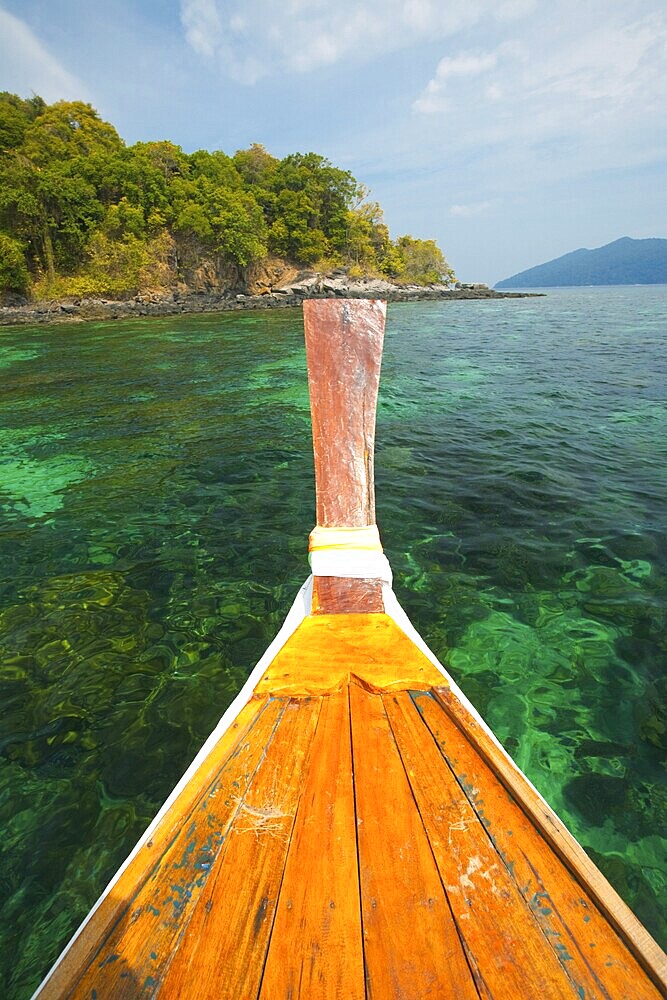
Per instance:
(82,213)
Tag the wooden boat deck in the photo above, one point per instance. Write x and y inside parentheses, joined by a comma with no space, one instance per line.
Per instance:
(356,833)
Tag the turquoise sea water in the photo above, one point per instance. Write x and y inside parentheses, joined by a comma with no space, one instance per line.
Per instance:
(156,492)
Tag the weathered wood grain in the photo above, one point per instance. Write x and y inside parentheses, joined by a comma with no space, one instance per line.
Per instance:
(316,943)
(411,946)
(560,895)
(126,917)
(344,351)
(223,948)
(342,595)
(503,940)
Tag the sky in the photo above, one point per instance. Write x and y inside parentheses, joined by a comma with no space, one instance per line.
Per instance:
(510,131)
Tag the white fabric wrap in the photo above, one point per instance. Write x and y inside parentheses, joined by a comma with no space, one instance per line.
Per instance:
(351,552)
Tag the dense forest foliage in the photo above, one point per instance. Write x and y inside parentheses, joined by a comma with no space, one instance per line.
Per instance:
(82,213)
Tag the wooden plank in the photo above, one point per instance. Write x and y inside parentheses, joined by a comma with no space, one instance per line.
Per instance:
(103,935)
(337,595)
(223,948)
(503,940)
(344,350)
(316,943)
(327,651)
(560,898)
(411,945)
(639,941)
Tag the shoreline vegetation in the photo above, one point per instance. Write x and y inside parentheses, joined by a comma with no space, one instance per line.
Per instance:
(91,228)
(176,301)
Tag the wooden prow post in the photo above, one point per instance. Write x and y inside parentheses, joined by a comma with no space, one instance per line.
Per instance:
(344,340)
(344,350)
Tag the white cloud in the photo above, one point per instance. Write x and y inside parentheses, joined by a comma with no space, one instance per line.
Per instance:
(457,70)
(251,39)
(203,25)
(470,210)
(467,64)
(494,92)
(513,9)
(616,62)
(568,88)
(28,67)
(434,98)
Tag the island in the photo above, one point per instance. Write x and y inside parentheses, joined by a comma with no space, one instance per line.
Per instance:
(624,262)
(93,228)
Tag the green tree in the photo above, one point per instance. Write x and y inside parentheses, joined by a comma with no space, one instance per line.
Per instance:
(124,219)
(227,220)
(15,116)
(423,261)
(50,184)
(294,233)
(366,234)
(239,229)
(309,211)
(113,266)
(148,173)
(49,208)
(13,270)
(217,167)
(256,166)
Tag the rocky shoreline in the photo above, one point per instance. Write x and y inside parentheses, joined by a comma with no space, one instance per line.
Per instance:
(292,294)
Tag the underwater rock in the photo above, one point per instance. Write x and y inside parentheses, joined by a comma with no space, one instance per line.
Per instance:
(596,795)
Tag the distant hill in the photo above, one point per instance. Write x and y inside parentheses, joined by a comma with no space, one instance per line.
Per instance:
(623,262)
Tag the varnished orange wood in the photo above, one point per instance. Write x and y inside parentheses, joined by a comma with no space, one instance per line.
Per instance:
(316,943)
(337,595)
(223,948)
(597,960)
(429,920)
(133,912)
(344,351)
(566,846)
(503,940)
(327,650)
(411,946)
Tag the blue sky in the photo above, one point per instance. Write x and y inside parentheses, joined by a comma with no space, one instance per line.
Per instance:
(511,131)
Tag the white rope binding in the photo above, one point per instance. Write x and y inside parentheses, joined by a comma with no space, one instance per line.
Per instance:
(349,552)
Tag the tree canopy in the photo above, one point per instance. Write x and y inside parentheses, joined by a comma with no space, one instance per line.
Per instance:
(83,213)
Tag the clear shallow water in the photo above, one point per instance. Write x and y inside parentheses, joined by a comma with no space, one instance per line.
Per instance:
(156,492)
